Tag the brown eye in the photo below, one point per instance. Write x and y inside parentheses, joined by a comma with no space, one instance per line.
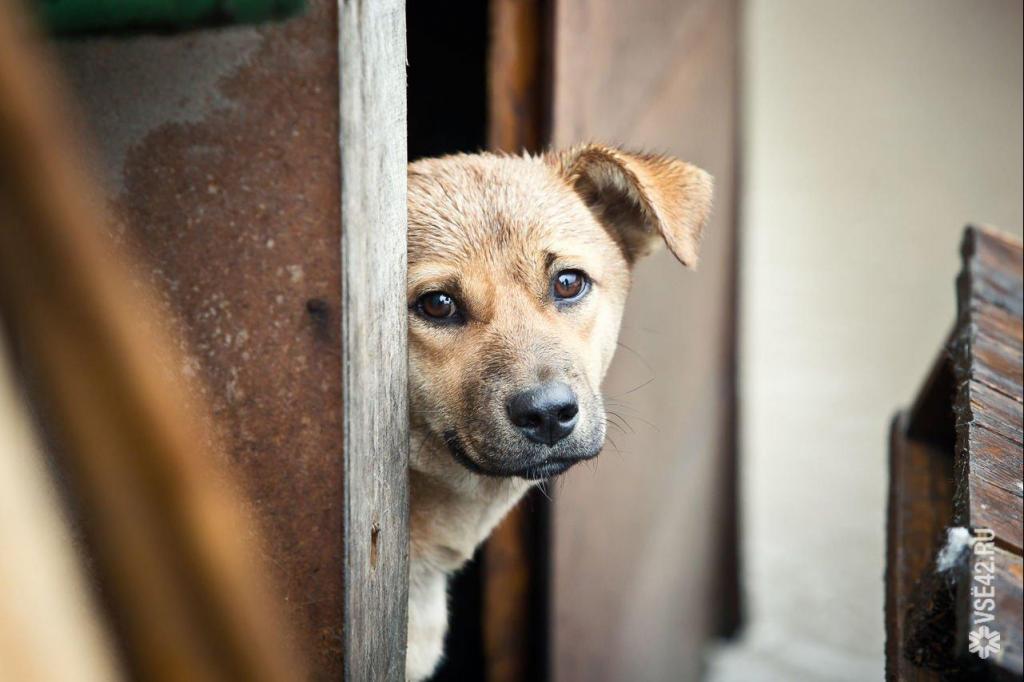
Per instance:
(438,305)
(569,284)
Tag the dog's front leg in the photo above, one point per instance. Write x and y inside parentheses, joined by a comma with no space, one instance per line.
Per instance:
(428,620)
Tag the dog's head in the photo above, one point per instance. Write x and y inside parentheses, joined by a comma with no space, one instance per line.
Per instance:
(518,272)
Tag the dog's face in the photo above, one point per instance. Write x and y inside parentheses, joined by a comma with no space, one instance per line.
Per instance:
(519,268)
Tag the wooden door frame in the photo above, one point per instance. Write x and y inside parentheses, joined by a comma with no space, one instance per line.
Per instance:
(376,419)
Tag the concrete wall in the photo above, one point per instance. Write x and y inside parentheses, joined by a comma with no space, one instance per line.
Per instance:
(873,132)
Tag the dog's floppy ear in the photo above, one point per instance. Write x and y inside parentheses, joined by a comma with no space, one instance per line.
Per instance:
(642,198)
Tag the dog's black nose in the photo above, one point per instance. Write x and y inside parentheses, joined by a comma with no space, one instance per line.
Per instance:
(545,414)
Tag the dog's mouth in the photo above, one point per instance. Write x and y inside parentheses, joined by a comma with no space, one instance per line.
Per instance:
(552,467)
(451,439)
(534,472)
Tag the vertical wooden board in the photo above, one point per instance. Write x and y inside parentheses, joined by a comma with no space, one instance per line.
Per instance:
(637,576)
(373,209)
(220,151)
(516,556)
(919,509)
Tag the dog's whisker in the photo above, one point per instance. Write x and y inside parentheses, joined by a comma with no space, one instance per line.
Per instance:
(616,426)
(639,357)
(623,405)
(543,488)
(634,389)
(608,423)
(637,417)
(612,418)
(623,420)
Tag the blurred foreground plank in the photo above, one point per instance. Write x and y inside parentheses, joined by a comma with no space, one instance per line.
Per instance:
(173,552)
(49,625)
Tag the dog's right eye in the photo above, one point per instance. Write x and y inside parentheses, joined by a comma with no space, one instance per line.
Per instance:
(438,305)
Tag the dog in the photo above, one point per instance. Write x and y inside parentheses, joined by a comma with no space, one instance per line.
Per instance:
(519,267)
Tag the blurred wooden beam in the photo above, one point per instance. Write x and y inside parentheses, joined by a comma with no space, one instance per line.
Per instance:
(661,75)
(515,566)
(50,625)
(173,551)
(518,75)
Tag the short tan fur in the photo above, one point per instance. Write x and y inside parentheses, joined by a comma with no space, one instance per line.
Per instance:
(494,242)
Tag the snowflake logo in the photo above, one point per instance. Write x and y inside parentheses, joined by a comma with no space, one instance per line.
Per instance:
(983,642)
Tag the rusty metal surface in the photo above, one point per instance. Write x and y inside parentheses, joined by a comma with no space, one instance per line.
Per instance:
(221,158)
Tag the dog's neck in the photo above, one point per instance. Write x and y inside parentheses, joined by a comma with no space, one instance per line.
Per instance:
(452,510)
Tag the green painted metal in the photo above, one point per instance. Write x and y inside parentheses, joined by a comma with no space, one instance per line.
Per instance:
(80,16)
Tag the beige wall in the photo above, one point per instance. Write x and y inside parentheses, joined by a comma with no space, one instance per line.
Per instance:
(873,132)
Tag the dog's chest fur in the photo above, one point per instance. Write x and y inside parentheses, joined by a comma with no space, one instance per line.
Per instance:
(451,512)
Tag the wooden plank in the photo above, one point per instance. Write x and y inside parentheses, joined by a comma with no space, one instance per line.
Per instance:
(920,507)
(1000,414)
(992,269)
(171,545)
(658,75)
(519,75)
(376,441)
(988,492)
(989,409)
(220,153)
(930,418)
(989,402)
(928,616)
(515,567)
(999,363)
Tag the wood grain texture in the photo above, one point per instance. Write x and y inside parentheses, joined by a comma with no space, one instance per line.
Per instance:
(987,354)
(920,508)
(373,210)
(989,407)
(516,556)
(638,538)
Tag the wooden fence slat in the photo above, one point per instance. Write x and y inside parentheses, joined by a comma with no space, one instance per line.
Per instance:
(373,210)
(515,567)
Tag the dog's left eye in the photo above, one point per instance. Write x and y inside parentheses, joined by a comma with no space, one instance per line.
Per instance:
(569,285)
(439,306)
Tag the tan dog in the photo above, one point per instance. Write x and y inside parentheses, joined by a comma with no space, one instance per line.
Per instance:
(518,272)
